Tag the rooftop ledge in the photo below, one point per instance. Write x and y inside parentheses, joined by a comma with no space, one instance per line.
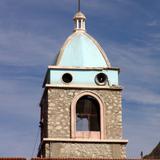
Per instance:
(83,86)
(123,141)
(83,68)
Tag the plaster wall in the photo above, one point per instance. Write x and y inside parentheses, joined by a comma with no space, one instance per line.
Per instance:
(83,77)
(81,50)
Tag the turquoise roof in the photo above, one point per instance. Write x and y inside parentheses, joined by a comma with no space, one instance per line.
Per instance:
(81,50)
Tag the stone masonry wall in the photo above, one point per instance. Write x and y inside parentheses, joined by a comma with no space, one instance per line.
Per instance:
(85,150)
(44,116)
(59,112)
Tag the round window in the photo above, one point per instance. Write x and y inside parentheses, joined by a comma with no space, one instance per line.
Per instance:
(101,79)
(67,78)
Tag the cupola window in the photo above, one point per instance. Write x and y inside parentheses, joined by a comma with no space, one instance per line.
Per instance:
(67,78)
(79,22)
(101,79)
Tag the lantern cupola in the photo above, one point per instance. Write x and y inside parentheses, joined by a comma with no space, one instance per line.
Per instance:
(79,21)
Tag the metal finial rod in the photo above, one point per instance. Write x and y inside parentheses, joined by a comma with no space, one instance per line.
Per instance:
(79,5)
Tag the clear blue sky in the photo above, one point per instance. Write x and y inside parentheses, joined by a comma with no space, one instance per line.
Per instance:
(31,34)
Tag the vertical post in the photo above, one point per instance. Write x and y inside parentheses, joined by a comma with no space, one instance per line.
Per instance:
(142,155)
(79,5)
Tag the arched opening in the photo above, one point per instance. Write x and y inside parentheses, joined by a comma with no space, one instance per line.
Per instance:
(79,22)
(87,114)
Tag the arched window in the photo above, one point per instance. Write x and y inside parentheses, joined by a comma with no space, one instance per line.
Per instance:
(87,116)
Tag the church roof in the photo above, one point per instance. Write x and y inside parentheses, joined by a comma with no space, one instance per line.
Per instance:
(155,154)
(82,50)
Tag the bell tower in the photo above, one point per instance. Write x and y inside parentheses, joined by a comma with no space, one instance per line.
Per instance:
(81,108)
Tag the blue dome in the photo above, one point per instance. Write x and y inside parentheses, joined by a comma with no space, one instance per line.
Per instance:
(81,50)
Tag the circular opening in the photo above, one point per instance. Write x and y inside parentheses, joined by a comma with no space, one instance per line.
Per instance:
(101,79)
(67,78)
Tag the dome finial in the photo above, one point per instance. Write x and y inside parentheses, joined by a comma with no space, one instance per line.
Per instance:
(79,19)
(79,5)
